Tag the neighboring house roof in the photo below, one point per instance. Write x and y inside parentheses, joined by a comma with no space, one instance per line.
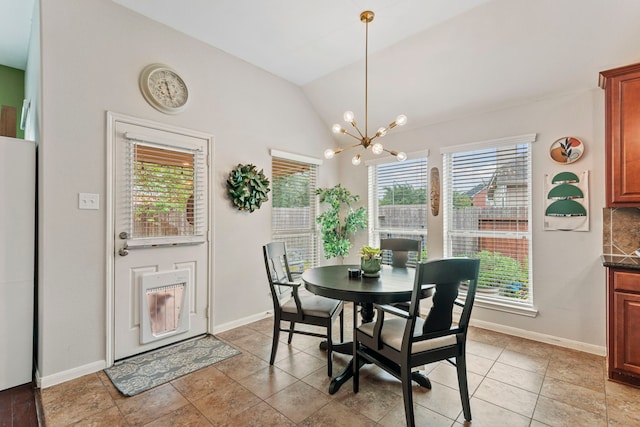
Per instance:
(475,190)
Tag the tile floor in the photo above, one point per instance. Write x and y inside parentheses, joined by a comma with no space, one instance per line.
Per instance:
(515,382)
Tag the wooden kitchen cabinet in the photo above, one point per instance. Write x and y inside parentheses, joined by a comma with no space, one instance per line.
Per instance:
(623,352)
(622,135)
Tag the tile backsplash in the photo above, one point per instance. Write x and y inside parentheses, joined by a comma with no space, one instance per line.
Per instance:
(621,231)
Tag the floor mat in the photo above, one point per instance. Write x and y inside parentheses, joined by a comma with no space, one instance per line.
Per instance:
(140,373)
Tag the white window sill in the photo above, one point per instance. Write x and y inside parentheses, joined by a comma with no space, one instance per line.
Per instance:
(520,309)
(504,306)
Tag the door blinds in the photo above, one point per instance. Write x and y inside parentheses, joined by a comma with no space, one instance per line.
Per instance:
(164,188)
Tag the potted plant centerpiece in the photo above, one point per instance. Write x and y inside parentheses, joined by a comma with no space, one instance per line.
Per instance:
(370,261)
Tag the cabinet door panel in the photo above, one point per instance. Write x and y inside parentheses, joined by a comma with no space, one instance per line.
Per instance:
(627,332)
(627,186)
(622,122)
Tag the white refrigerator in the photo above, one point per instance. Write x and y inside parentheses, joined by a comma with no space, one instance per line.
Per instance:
(17,243)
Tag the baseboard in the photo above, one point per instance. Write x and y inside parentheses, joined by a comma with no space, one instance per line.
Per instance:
(536,336)
(60,377)
(241,322)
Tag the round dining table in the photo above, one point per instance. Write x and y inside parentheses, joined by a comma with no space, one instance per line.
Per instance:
(392,286)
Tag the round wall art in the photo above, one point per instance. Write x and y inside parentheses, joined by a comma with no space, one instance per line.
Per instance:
(566,150)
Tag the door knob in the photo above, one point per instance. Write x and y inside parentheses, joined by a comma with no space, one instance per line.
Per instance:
(123,252)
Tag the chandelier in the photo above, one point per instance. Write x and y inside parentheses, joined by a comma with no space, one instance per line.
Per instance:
(363,139)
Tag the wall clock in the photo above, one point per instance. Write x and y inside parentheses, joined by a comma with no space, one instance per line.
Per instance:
(163,88)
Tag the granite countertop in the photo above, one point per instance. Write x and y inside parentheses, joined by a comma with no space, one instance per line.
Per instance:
(621,261)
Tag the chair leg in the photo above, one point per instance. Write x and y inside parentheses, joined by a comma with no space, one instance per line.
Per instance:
(407,394)
(292,325)
(461,367)
(329,350)
(355,368)
(276,338)
(342,326)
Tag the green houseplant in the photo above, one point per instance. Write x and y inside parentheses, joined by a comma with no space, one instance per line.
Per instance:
(370,252)
(340,220)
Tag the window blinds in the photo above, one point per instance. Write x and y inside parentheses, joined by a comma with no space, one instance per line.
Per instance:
(294,211)
(398,201)
(487,215)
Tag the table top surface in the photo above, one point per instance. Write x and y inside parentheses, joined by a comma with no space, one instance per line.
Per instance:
(393,285)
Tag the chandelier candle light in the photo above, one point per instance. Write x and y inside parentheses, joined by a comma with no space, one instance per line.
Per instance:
(364,140)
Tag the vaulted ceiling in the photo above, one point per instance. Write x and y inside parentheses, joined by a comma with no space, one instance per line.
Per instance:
(15,29)
(432,60)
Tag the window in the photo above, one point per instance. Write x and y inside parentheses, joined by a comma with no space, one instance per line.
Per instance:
(294,208)
(166,193)
(398,203)
(487,214)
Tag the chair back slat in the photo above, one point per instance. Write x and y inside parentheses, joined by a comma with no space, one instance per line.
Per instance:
(397,244)
(278,273)
(277,266)
(400,248)
(446,274)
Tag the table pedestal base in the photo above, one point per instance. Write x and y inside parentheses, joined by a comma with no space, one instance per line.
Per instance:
(347,374)
(347,348)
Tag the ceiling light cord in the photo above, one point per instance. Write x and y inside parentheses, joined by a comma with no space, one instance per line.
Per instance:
(364,140)
(366,76)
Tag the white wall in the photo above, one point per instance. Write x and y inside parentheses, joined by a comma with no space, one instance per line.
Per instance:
(92,54)
(568,277)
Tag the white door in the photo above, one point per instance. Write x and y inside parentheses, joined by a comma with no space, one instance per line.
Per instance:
(161,226)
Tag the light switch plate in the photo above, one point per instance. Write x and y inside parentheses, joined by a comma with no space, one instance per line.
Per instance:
(88,201)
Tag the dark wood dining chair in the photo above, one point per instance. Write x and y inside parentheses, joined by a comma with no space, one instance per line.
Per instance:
(307,309)
(402,342)
(400,249)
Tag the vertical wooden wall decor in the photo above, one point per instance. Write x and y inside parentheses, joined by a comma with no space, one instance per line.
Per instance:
(434,191)
(8,121)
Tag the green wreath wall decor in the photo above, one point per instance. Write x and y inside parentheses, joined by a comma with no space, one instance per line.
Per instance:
(247,187)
